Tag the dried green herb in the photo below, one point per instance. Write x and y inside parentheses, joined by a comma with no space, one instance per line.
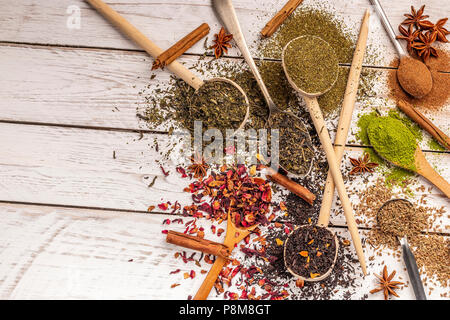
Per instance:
(311,64)
(296,152)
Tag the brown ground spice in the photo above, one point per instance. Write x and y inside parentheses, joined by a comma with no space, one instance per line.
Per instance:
(440,93)
(414,77)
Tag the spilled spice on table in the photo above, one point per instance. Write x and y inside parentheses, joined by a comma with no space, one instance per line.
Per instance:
(440,93)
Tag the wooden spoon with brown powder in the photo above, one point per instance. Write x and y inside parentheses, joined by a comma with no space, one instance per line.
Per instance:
(412,74)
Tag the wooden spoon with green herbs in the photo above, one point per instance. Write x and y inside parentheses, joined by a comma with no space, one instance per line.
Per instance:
(311,67)
(393,141)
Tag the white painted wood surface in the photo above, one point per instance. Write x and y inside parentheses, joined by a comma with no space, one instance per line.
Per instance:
(62,253)
(68,102)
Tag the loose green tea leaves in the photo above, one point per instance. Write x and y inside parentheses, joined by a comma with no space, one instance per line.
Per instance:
(296,152)
(311,64)
(218,105)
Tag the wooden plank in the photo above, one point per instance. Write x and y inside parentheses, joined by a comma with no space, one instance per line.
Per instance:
(85,254)
(76,167)
(100,88)
(177,19)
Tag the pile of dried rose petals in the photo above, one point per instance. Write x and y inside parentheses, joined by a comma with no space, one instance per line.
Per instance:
(232,192)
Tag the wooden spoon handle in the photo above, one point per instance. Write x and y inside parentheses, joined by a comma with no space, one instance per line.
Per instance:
(208,283)
(345,117)
(319,123)
(129,30)
(426,170)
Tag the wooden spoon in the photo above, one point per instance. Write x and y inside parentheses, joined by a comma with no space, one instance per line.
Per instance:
(424,168)
(153,50)
(322,276)
(334,165)
(233,236)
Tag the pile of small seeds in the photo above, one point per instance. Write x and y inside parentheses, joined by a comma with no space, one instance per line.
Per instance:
(311,64)
(430,250)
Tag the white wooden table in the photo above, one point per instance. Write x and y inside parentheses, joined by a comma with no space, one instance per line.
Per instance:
(73,220)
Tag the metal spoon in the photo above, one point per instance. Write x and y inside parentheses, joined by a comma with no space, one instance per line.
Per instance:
(225,11)
(408,258)
(407,82)
(319,123)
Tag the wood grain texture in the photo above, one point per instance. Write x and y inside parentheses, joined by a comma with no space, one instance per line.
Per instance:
(175,17)
(76,167)
(101,88)
(61,253)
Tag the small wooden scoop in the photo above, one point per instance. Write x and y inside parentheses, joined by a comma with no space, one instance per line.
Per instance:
(321,277)
(424,168)
(233,236)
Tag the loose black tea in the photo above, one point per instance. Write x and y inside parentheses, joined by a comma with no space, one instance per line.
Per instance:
(295,149)
(310,251)
(311,64)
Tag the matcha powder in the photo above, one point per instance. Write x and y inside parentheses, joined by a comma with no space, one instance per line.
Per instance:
(393,141)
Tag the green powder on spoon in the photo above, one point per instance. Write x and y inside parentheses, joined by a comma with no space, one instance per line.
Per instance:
(392,140)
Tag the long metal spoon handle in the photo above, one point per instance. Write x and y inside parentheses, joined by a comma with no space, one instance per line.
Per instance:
(388,27)
(413,271)
(226,12)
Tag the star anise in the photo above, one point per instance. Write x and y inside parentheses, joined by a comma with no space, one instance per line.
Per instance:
(416,18)
(386,284)
(409,35)
(362,164)
(423,45)
(221,43)
(440,31)
(199,167)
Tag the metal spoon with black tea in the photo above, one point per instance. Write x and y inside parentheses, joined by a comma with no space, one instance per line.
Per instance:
(386,221)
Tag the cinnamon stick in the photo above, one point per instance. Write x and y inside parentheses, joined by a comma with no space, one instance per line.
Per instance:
(292,186)
(279,18)
(424,123)
(168,56)
(197,243)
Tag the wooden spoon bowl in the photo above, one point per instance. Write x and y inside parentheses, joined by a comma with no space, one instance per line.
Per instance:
(324,275)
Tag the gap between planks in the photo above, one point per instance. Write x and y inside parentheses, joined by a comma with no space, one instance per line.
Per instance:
(109,210)
(140,51)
